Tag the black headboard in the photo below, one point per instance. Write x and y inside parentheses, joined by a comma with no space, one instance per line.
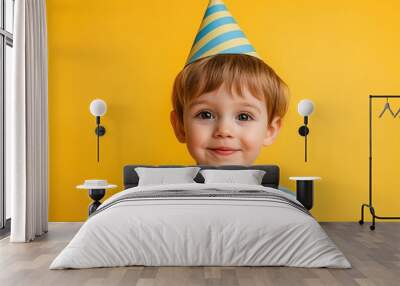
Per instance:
(270,179)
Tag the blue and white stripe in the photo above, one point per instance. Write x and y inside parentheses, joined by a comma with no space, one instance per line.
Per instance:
(219,34)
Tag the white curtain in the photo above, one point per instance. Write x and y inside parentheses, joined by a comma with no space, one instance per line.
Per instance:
(27,124)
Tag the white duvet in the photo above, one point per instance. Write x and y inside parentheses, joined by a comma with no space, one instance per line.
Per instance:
(200,231)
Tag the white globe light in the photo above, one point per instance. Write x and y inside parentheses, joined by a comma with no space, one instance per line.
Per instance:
(98,107)
(305,107)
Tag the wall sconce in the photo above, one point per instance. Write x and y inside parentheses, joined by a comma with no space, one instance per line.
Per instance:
(305,108)
(98,108)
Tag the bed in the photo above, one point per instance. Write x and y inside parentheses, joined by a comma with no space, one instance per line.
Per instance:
(201,223)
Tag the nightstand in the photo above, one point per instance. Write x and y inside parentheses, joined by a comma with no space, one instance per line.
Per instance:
(97,190)
(305,190)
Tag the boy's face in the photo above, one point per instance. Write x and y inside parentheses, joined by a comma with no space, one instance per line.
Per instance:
(221,128)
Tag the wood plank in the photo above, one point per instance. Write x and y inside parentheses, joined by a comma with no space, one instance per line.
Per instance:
(375,257)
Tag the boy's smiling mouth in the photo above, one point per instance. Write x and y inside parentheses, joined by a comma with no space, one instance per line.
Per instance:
(224,151)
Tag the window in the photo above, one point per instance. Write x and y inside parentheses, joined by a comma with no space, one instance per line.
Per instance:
(6,60)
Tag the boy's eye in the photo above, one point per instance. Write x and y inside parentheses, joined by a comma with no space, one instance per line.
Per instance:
(244,117)
(205,115)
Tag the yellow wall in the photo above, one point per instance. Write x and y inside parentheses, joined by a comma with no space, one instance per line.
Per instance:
(128,53)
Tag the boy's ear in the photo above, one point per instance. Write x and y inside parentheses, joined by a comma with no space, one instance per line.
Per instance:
(177,126)
(272,131)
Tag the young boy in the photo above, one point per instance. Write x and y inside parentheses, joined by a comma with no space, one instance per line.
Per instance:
(227,103)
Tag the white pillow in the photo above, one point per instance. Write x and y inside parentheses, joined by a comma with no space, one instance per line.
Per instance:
(249,177)
(162,176)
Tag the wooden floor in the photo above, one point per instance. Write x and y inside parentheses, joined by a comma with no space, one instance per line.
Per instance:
(374,255)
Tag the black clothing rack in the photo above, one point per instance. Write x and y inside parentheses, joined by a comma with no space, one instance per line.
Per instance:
(370,206)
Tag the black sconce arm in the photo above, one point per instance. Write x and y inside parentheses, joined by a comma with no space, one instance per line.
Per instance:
(100,131)
(303,131)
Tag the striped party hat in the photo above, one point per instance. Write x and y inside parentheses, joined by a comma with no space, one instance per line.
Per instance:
(219,34)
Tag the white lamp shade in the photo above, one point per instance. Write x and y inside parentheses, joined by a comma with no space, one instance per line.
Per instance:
(305,107)
(98,107)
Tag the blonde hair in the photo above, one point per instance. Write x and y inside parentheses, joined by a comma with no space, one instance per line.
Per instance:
(237,72)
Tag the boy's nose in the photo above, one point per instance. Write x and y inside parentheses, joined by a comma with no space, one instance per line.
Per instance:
(223,129)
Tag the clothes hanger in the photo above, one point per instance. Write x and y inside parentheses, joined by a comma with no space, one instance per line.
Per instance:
(398,112)
(387,107)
